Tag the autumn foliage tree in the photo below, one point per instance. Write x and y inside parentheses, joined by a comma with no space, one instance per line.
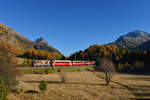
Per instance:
(125,60)
(96,52)
(8,66)
(41,55)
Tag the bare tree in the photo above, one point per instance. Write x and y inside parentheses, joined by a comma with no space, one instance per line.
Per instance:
(63,78)
(107,66)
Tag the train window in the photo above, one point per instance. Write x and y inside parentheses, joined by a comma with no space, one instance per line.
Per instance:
(61,62)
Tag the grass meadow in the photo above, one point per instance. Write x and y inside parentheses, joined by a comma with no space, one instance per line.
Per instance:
(75,84)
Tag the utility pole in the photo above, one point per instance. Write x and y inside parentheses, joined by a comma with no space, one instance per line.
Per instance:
(88,59)
(54,54)
(75,57)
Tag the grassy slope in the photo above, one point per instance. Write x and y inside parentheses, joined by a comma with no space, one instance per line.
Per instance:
(82,85)
(85,86)
(39,70)
(77,86)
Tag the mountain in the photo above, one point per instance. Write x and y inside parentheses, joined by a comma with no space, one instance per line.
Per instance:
(144,46)
(42,44)
(10,35)
(133,39)
(14,38)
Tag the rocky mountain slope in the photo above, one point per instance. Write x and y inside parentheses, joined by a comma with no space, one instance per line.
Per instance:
(133,39)
(10,35)
(144,46)
(42,44)
(16,39)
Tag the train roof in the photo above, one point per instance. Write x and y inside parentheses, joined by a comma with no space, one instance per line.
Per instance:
(41,60)
(62,60)
(79,60)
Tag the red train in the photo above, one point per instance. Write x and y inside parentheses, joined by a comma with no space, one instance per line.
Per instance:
(83,62)
(61,63)
(46,63)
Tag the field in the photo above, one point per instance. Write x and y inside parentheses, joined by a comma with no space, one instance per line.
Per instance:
(84,85)
(41,70)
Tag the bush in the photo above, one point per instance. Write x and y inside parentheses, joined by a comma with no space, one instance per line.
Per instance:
(78,70)
(63,78)
(46,71)
(18,89)
(21,90)
(3,91)
(59,70)
(43,86)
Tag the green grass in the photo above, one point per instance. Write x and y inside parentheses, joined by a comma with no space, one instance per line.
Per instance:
(39,70)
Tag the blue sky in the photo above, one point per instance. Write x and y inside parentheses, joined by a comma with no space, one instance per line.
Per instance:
(72,25)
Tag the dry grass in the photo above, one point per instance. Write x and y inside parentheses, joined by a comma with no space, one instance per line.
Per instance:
(84,86)
(19,60)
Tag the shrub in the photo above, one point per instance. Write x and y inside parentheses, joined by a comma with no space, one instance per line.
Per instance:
(43,86)
(63,78)
(21,90)
(78,70)
(59,70)
(3,91)
(46,71)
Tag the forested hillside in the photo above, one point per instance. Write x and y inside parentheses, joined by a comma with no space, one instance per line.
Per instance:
(23,46)
(126,60)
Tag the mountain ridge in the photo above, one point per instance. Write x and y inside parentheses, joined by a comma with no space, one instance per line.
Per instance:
(144,46)
(16,39)
(42,44)
(137,39)
(132,39)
